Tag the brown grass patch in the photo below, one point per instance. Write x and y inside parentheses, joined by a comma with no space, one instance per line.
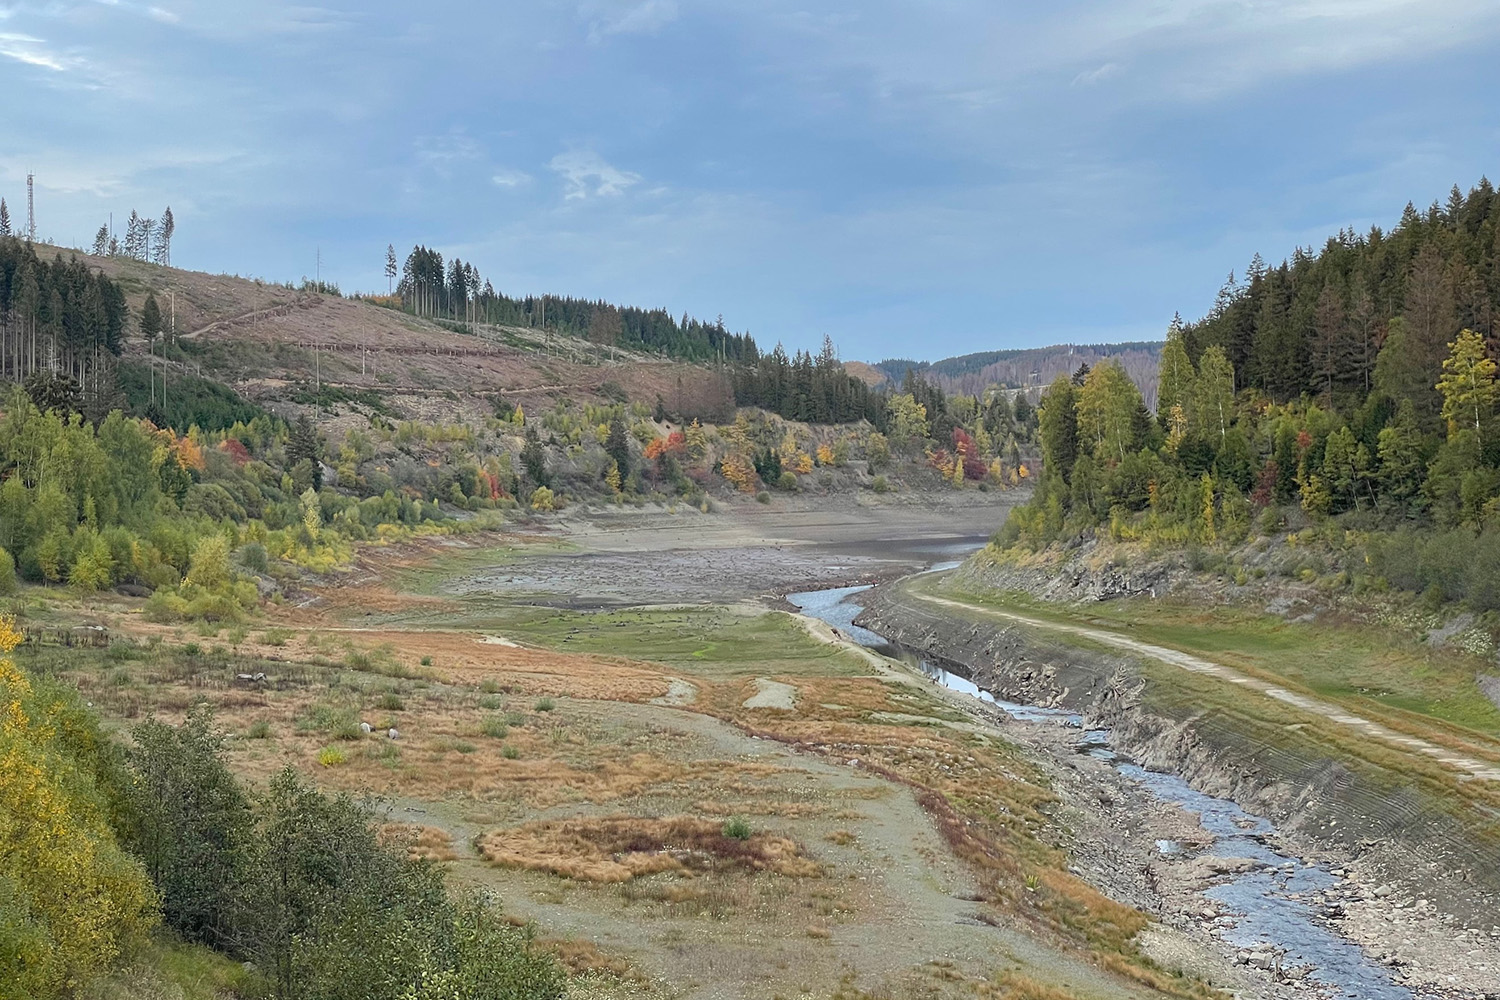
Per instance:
(461,658)
(842,838)
(580,957)
(619,848)
(420,841)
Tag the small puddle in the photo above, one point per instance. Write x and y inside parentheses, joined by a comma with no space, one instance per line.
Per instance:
(1271,907)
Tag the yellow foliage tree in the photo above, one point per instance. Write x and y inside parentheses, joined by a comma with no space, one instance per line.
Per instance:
(70,898)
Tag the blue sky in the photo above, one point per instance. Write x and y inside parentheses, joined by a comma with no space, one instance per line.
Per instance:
(912,179)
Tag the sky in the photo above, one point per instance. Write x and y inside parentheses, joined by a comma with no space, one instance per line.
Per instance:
(912,179)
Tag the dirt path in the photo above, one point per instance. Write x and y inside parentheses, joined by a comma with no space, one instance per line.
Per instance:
(1474,768)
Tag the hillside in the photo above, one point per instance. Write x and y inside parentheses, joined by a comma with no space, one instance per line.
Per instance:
(267,341)
(1029,368)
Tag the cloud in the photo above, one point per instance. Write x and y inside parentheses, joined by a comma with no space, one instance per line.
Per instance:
(645,18)
(33,52)
(587,175)
(163,15)
(509,178)
(1090,77)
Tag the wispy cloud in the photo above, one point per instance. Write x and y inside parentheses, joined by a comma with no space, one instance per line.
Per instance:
(645,18)
(585,174)
(1097,75)
(507,178)
(34,51)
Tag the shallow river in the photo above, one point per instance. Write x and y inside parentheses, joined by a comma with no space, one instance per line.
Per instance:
(1270,908)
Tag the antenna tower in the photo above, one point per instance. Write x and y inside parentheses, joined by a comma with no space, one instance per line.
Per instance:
(30,209)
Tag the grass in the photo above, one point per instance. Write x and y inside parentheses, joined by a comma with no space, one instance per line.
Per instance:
(165,967)
(714,642)
(620,848)
(1369,668)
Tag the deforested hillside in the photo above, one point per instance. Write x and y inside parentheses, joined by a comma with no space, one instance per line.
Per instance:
(274,343)
(1030,368)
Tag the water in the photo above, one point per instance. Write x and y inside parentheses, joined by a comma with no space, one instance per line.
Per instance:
(1260,904)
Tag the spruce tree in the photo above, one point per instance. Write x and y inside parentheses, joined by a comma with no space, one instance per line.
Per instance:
(4,219)
(164,231)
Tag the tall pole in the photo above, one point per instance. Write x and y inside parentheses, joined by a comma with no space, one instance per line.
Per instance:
(30,209)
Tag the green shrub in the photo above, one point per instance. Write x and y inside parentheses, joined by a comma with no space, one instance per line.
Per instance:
(7,574)
(259,730)
(509,752)
(737,827)
(880,485)
(494,728)
(165,608)
(544,705)
(390,701)
(762,497)
(275,637)
(426,661)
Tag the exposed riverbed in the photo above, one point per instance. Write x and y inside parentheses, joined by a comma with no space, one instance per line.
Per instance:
(1269,909)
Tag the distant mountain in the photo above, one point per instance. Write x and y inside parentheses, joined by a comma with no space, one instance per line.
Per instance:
(1022,368)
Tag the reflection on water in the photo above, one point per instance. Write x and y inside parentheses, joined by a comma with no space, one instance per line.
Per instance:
(1270,907)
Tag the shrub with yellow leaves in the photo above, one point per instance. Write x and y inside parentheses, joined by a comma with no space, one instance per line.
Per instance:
(70,898)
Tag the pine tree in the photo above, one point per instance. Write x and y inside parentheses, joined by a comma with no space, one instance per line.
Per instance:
(4,218)
(101,241)
(164,233)
(150,319)
(390,267)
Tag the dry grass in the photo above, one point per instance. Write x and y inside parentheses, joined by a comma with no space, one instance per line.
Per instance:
(420,841)
(617,849)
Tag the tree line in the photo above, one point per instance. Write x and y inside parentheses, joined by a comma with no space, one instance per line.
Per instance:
(815,390)
(456,291)
(145,239)
(58,317)
(1358,384)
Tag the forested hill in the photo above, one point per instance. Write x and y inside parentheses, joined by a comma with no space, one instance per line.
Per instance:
(1353,387)
(1318,322)
(971,374)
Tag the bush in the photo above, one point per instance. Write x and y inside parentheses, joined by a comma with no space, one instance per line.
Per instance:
(543,499)
(495,728)
(390,701)
(7,574)
(762,497)
(253,557)
(332,756)
(509,752)
(426,661)
(544,705)
(787,481)
(737,828)
(259,730)
(880,485)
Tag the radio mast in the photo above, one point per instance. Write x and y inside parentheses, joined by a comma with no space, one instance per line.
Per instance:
(30,209)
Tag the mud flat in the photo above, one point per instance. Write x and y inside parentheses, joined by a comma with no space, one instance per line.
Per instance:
(627,557)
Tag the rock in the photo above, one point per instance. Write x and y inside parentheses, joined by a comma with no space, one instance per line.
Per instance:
(1261,960)
(1384,891)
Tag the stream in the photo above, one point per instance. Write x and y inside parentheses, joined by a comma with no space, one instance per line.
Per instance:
(1271,909)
